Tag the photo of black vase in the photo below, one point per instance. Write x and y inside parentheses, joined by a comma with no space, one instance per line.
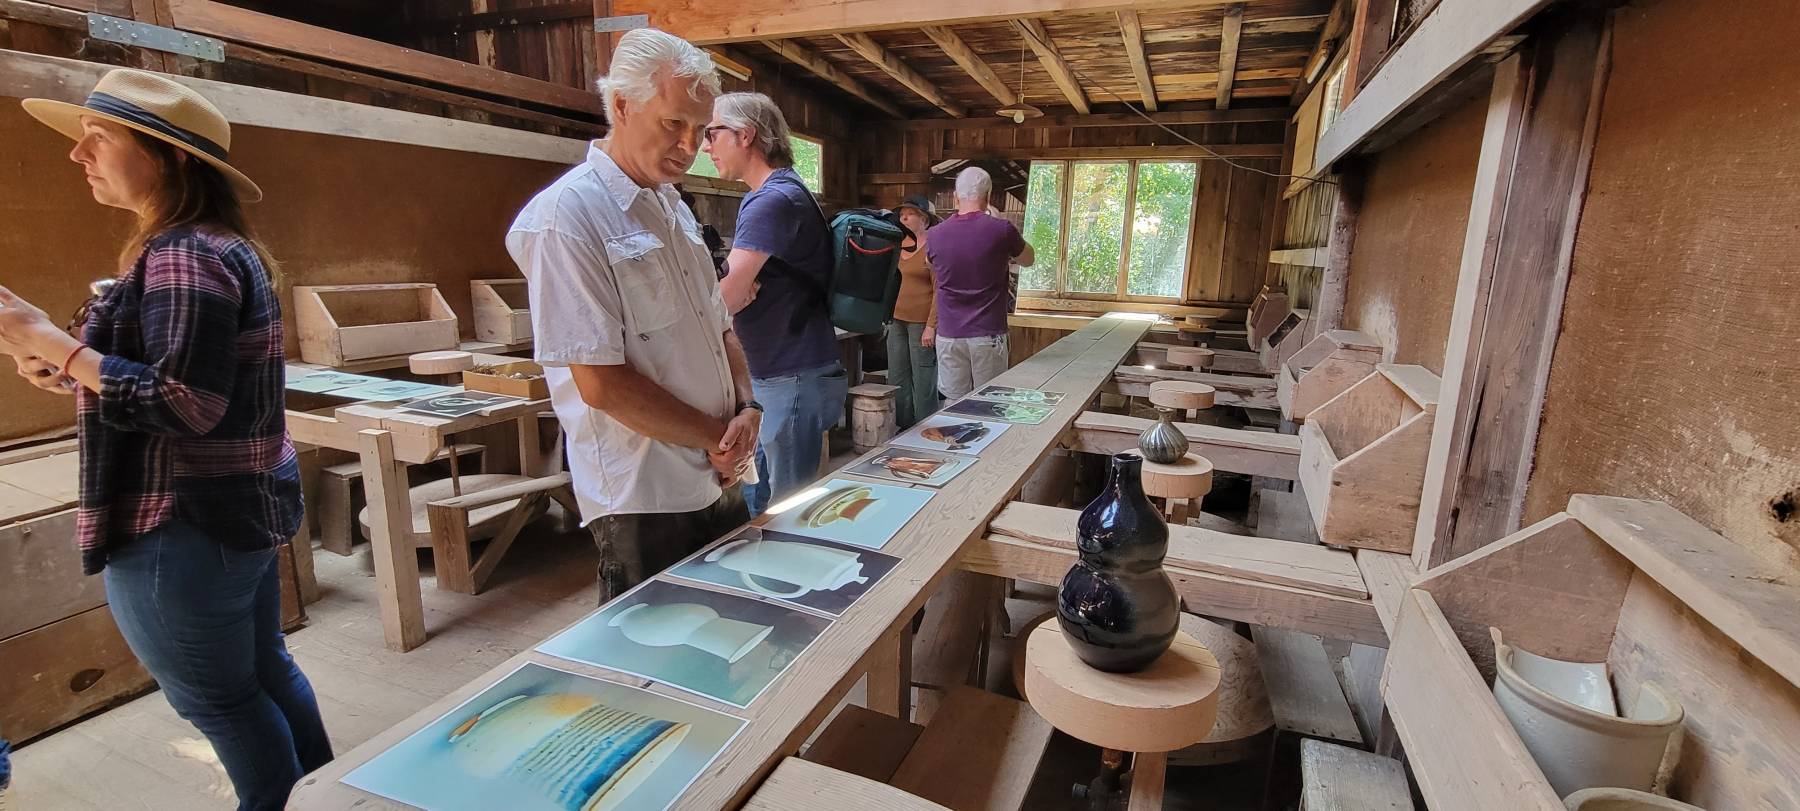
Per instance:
(1116,606)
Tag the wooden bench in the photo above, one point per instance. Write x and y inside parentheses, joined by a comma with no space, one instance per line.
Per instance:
(1338,778)
(340,497)
(980,752)
(1234,450)
(456,522)
(801,785)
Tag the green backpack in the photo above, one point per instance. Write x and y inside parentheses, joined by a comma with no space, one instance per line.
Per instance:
(865,268)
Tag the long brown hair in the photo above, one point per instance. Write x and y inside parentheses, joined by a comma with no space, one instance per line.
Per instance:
(190,193)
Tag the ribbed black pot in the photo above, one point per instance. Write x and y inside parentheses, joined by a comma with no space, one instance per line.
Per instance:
(1116,606)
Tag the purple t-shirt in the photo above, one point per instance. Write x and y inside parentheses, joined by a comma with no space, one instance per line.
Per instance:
(969,253)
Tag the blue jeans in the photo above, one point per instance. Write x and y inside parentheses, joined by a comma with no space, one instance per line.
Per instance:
(914,369)
(205,620)
(797,410)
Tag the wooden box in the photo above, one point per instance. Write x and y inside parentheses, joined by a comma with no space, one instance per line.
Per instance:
(65,671)
(535,389)
(1266,312)
(502,310)
(1322,369)
(343,323)
(1639,586)
(1362,458)
(40,568)
(1285,340)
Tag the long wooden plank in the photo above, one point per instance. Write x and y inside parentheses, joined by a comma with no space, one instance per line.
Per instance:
(1246,391)
(1327,571)
(1213,595)
(1749,599)
(894,66)
(269,31)
(972,64)
(70,80)
(1303,689)
(782,719)
(1445,40)
(1463,752)
(797,784)
(1338,778)
(1035,36)
(1387,575)
(1225,361)
(1232,28)
(1070,120)
(1132,30)
(1209,152)
(1234,450)
(705,22)
(981,751)
(824,69)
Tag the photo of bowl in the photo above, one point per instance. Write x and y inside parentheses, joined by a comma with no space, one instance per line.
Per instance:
(842,504)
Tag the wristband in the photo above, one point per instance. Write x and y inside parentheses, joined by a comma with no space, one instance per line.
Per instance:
(64,368)
(752,404)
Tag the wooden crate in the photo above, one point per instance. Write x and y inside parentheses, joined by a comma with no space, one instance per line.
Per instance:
(502,310)
(1635,584)
(343,323)
(64,671)
(1284,341)
(40,568)
(1362,458)
(1266,312)
(1321,370)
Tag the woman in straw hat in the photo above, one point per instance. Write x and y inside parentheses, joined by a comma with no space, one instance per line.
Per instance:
(188,480)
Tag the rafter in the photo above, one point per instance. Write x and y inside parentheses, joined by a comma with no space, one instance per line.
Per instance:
(1133,32)
(1228,53)
(1052,59)
(903,73)
(972,64)
(806,58)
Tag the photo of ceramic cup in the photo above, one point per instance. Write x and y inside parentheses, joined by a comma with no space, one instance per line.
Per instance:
(569,748)
(910,467)
(691,624)
(799,568)
(842,504)
(959,436)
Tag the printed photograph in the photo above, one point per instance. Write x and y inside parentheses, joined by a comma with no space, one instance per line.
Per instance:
(806,572)
(545,739)
(913,465)
(388,391)
(718,645)
(857,513)
(997,410)
(1008,394)
(457,404)
(941,432)
(315,381)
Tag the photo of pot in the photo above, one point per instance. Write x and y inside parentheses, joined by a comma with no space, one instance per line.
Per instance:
(691,624)
(798,568)
(570,748)
(842,504)
(910,467)
(959,436)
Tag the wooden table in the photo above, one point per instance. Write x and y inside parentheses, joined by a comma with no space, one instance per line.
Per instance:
(868,637)
(387,440)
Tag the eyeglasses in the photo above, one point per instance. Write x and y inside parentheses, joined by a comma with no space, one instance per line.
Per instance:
(709,132)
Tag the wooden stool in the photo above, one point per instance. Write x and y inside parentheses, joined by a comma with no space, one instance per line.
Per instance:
(444,366)
(482,522)
(1190,397)
(872,421)
(1192,357)
(1181,484)
(340,498)
(1167,706)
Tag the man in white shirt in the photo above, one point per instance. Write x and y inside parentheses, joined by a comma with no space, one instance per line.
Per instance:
(648,381)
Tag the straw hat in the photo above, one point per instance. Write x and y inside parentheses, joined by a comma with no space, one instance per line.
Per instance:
(159,107)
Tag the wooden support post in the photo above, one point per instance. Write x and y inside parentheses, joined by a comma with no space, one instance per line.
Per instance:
(1328,311)
(390,528)
(1039,40)
(825,69)
(972,64)
(1529,187)
(1132,30)
(890,680)
(1230,32)
(894,66)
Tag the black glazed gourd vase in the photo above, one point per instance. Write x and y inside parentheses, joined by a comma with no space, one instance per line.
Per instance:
(1116,606)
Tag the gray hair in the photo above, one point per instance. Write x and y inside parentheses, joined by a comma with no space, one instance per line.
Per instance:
(755,111)
(974,183)
(644,54)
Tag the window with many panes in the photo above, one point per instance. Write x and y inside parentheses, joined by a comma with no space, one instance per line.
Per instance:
(1109,229)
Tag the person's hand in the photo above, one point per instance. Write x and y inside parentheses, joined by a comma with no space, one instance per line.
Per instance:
(928,338)
(737,447)
(40,373)
(22,326)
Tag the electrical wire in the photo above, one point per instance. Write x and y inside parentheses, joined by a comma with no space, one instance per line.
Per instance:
(1045,46)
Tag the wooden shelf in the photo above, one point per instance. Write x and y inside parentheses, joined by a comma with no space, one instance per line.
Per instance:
(342,323)
(1321,370)
(1362,458)
(1637,585)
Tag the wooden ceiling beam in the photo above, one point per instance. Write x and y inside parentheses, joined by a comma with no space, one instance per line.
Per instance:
(1241,115)
(818,64)
(1228,53)
(972,64)
(706,23)
(1039,41)
(894,66)
(1133,32)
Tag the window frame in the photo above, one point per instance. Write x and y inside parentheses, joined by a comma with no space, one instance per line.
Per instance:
(1122,283)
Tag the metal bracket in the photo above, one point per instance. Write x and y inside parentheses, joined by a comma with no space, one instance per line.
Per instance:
(154,37)
(628,22)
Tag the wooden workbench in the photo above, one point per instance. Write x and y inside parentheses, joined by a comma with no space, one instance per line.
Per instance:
(867,636)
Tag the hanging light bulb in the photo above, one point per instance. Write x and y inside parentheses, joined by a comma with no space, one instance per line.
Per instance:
(1021,109)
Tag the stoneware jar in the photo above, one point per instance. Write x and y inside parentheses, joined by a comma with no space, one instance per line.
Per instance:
(1162,442)
(1116,606)
(1622,799)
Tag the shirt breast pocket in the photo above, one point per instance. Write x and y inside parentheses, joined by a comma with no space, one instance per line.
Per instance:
(645,292)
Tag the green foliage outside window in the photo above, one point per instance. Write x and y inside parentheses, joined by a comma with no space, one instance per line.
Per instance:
(1043,225)
(1096,196)
(703,166)
(1096,227)
(1159,228)
(809,157)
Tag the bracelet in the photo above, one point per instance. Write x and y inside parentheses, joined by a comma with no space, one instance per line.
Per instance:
(64,368)
(750,404)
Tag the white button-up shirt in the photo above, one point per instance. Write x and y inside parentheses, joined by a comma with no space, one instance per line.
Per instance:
(619,274)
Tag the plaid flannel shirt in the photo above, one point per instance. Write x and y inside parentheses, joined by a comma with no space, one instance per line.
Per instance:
(188,424)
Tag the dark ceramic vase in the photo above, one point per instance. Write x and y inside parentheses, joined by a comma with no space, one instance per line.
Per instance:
(1116,606)
(1162,442)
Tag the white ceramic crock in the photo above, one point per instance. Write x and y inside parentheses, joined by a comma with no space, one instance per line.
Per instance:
(1622,799)
(1576,746)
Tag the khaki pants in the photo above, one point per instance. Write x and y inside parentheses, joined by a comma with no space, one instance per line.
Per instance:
(634,547)
(965,364)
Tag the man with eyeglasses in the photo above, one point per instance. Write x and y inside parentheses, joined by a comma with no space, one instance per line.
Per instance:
(775,282)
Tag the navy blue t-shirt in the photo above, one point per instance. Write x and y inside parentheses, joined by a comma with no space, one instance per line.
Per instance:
(786,329)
